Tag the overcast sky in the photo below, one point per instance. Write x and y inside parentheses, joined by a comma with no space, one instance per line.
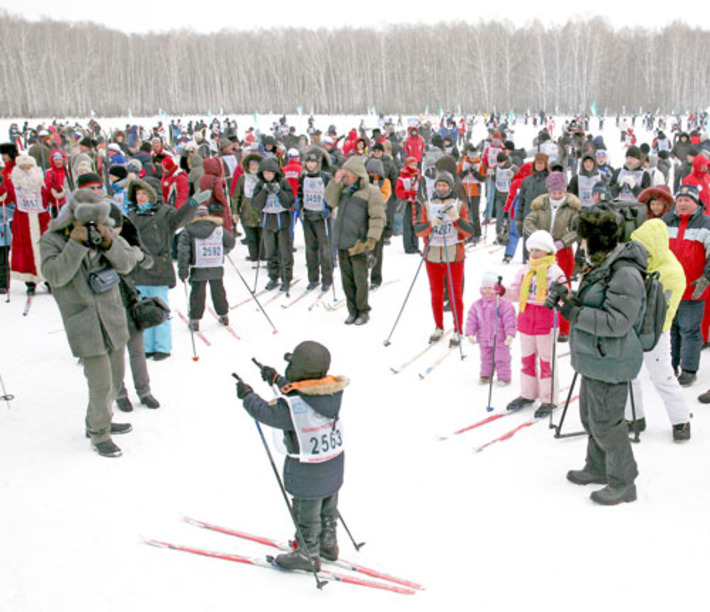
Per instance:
(144,16)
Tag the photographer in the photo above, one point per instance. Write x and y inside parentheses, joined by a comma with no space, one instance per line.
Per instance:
(81,255)
(605,350)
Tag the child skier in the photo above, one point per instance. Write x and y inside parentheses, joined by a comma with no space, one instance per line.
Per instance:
(535,322)
(202,246)
(482,328)
(313,470)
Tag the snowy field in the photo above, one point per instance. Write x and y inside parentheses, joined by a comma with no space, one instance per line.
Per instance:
(496,530)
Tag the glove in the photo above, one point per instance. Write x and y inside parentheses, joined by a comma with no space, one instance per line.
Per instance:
(370,259)
(555,293)
(273,187)
(359,247)
(509,340)
(627,181)
(499,289)
(701,284)
(243,389)
(370,244)
(452,213)
(200,197)
(559,245)
(437,222)
(569,309)
(472,339)
(183,276)
(269,374)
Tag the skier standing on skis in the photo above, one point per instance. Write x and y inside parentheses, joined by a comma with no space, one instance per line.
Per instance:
(444,224)
(309,401)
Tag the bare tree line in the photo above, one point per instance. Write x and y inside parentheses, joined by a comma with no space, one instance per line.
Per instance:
(56,69)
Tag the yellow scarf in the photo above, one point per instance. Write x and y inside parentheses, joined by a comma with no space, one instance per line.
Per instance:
(538,267)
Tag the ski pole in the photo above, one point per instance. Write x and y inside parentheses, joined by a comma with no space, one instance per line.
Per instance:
(554,362)
(253,295)
(452,297)
(350,535)
(195,357)
(489,407)
(7,397)
(6,263)
(319,583)
(414,280)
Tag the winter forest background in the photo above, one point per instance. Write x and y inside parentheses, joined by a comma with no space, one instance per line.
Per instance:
(56,69)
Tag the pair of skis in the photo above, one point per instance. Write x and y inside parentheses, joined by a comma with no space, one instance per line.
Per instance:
(430,368)
(383,581)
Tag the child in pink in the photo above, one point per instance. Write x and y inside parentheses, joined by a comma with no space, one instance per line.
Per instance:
(535,323)
(481,327)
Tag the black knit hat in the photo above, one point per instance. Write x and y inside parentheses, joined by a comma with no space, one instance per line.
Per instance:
(309,361)
(90,178)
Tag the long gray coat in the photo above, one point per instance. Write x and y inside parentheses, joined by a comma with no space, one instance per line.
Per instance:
(94,323)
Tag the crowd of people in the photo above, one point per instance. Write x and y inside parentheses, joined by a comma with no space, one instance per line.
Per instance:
(94,216)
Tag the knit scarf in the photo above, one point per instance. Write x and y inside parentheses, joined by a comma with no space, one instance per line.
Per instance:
(538,268)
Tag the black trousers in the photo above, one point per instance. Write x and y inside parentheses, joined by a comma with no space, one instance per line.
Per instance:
(319,255)
(198,294)
(318,521)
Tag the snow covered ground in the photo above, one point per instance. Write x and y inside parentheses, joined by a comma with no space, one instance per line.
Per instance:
(497,530)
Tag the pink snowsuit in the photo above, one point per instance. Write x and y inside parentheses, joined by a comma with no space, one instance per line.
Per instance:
(535,325)
(480,322)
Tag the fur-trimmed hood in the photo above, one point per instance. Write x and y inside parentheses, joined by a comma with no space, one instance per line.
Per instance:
(543,201)
(247,159)
(323,395)
(145,186)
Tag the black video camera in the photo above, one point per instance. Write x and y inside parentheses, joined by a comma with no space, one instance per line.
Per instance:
(555,293)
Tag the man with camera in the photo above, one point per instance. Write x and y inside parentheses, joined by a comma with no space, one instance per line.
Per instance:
(605,349)
(81,257)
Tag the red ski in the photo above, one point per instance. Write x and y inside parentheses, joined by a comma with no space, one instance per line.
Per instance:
(199,334)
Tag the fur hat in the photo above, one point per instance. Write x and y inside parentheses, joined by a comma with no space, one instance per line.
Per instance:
(600,228)
(308,361)
(543,157)
(556,182)
(134,166)
(118,171)
(375,166)
(9,149)
(541,240)
(25,160)
(85,206)
(662,193)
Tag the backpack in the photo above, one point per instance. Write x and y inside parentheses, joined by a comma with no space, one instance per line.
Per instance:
(649,325)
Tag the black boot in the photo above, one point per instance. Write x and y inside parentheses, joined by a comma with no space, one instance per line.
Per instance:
(297,561)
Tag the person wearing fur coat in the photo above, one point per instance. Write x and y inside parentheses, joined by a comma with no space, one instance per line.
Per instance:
(30,221)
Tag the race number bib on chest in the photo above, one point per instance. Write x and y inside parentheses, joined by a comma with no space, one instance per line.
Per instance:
(273,205)
(319,438)
(249,184)
(209,252)
(313,192)
(446,233)
(29,202)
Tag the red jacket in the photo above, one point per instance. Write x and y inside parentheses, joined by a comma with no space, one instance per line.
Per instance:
(292,171)
(408,184)
(414,146)
(175,187)
(349,144)
(690,242)
(524,172)
(701,179)
(213,180)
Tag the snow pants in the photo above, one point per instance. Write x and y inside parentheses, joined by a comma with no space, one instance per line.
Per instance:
(278,251)
(104,375)
(318,521)
(532,350)
(601,409)
(438,275)
(502,357)
(157,339)
(409,238)
(658,364)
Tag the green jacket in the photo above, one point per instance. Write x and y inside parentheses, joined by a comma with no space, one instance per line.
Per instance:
(603,343)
